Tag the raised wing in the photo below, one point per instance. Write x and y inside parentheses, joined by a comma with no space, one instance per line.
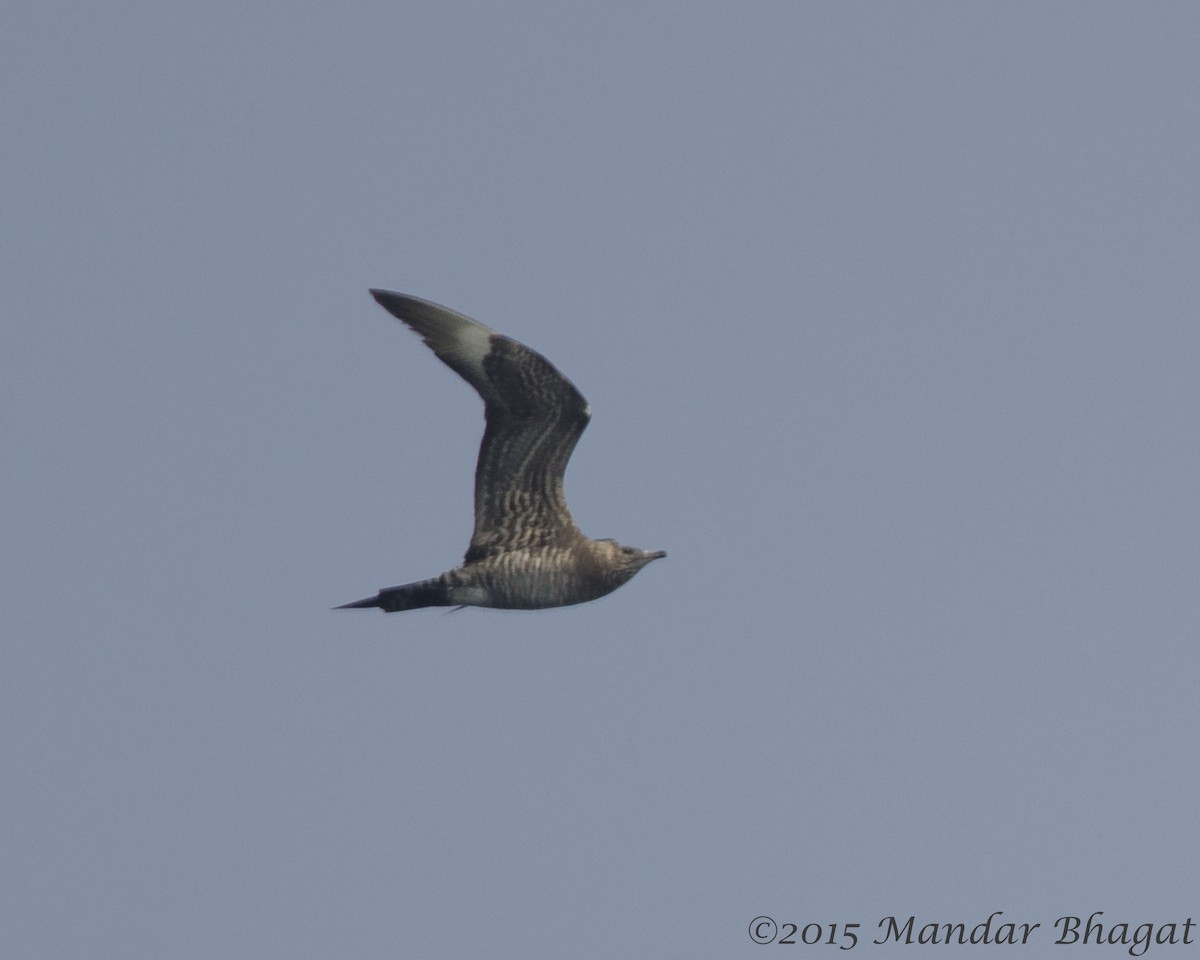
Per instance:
(534,416)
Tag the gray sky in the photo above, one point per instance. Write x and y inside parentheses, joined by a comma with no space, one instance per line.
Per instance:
(887,314)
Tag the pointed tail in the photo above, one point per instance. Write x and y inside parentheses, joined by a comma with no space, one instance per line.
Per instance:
(368,602)
(410,596)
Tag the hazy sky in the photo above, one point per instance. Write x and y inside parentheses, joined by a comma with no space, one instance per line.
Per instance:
(889,317)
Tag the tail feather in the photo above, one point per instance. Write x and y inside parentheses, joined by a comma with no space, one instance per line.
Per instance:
(410,596)
(368,602)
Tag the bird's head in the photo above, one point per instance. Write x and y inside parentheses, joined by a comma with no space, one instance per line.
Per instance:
(623,562)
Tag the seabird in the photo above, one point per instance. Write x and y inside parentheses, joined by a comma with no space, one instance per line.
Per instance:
(526,552)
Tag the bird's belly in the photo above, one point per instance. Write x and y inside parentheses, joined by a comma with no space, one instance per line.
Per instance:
(532,580)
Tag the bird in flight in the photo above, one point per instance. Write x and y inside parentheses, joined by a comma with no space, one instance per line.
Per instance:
(526,552)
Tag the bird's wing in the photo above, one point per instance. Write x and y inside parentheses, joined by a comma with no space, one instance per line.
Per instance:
(534,416)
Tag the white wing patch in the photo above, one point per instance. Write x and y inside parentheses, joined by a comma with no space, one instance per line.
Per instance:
(463,340)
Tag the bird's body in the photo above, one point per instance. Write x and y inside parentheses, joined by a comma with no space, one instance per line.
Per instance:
(526,551)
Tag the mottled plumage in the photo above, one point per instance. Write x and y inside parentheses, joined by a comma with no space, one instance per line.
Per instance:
(526,551)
